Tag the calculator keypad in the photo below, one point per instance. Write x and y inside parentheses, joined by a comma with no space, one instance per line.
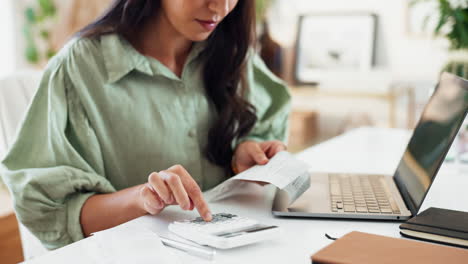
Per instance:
(221,222)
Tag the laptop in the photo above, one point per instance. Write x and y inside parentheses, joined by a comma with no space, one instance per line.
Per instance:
(390,197)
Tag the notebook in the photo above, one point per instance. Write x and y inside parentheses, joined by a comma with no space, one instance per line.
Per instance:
(438,225)
(363,248)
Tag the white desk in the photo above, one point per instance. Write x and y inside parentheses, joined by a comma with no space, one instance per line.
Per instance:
(366,150)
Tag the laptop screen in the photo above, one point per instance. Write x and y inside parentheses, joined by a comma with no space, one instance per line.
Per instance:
(431,140)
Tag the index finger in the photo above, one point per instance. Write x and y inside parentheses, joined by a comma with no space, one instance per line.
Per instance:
(195,194)
(199,202)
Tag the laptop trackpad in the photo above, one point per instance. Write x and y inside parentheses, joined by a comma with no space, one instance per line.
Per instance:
(316,198)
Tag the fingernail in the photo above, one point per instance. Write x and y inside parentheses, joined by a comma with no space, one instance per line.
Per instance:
(158,205)
(170,200)
(208,216)
(163,174)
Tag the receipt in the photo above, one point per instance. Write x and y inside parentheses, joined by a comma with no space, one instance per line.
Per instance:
(283,170)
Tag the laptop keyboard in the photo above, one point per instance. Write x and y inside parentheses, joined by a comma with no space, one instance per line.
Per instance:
(361,194)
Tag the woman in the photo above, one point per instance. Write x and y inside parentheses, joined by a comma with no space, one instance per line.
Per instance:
(147,107)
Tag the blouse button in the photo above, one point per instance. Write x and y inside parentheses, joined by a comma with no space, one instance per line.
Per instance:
(192,133)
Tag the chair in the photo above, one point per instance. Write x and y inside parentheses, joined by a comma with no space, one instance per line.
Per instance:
(16,92)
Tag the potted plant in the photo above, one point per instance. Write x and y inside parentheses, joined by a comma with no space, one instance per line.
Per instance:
(261,7)
(39,21)
(453,25)
(268,49)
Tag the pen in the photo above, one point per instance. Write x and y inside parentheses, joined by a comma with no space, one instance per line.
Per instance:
(204,252)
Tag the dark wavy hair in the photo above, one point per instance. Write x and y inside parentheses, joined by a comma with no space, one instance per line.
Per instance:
(224,72)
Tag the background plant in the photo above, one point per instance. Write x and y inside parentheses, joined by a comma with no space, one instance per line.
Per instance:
(39,20)
(452,21)
(261,7)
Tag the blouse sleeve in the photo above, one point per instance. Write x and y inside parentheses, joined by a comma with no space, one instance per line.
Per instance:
(271,98)
(55,164)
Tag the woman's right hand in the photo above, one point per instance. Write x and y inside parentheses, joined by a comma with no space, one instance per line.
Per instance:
(171,187)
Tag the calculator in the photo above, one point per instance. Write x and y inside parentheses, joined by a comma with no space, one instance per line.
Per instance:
(224,231)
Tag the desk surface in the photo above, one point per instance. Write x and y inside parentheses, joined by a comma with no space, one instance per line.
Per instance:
(365,150)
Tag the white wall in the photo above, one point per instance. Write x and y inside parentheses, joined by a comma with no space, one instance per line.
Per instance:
(407,56)
(7,50)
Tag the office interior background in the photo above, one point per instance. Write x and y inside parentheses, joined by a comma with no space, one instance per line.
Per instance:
(348,64)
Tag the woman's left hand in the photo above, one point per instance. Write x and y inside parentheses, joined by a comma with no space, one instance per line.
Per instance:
(250,153)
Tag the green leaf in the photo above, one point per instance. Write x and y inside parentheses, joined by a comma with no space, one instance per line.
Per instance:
(412,3)
(50,53)
(442,21)
(48,7)
(32,54)
(460,28)
(35,16)
(260,8)
(27,33)
(30,15)
(459,68)
(45,34)
(445,14)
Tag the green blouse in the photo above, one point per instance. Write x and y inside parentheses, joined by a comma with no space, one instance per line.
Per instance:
(105,116)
